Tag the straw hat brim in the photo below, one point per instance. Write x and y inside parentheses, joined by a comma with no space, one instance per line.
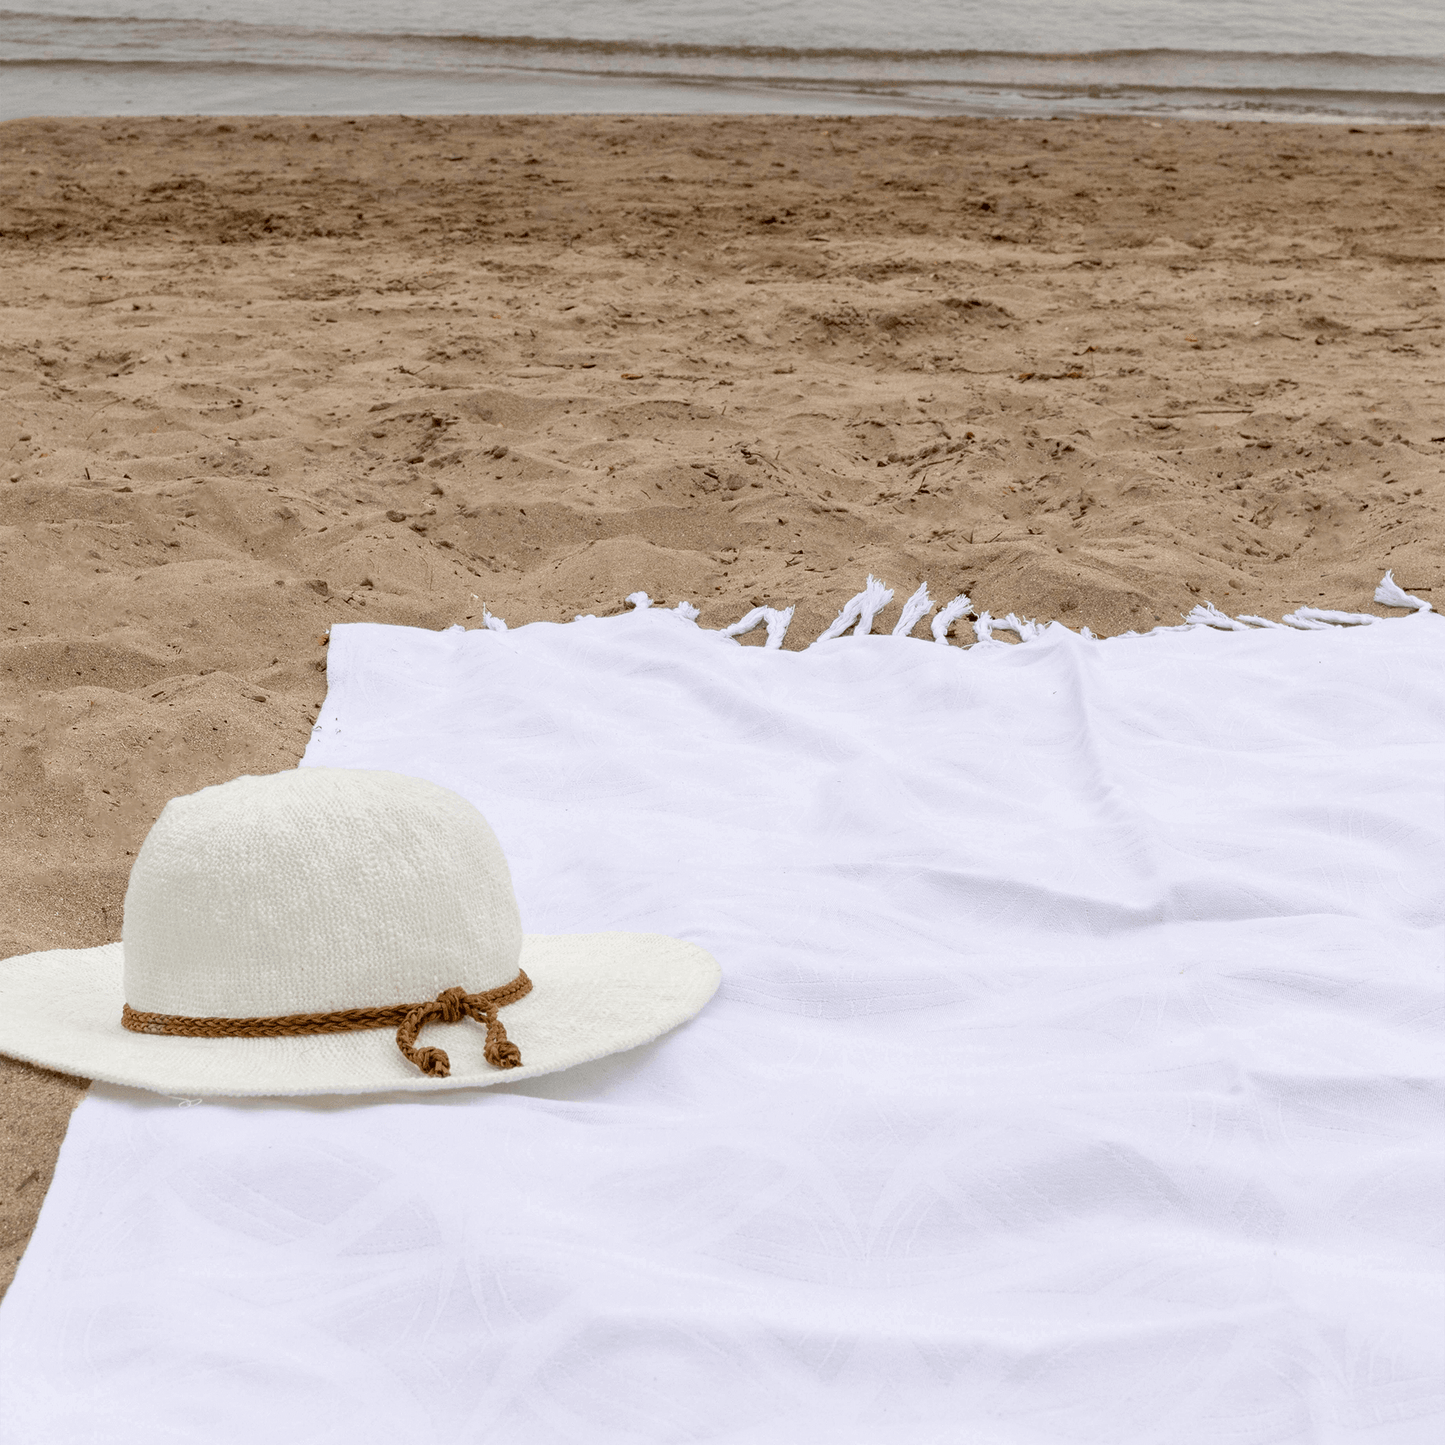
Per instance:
(592,995)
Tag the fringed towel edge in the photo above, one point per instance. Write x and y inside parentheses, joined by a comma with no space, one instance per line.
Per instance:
(859,612)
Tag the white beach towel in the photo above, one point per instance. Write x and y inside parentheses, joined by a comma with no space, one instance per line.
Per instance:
(1075,1075)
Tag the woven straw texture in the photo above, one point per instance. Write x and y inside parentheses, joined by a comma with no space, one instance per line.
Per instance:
(327,889)
(314,890)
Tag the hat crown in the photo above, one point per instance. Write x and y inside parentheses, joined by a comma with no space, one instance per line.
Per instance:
(313,891)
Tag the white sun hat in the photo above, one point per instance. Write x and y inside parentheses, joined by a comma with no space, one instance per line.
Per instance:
(293,933)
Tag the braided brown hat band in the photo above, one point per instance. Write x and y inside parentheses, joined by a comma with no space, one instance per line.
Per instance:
(449,1007)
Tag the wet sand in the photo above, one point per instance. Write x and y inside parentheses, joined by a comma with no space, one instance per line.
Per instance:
(260,376)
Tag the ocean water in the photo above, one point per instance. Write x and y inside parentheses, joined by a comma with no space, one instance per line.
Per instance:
(1371,60)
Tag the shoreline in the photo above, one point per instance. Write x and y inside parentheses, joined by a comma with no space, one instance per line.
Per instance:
(77,90)
(262,375)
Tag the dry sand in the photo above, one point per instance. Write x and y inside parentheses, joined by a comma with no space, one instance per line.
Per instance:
(262,376)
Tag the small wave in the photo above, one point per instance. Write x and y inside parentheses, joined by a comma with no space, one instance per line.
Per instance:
(443,39)
(457,65)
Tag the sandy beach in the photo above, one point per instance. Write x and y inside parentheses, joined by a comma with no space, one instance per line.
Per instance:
(261,376)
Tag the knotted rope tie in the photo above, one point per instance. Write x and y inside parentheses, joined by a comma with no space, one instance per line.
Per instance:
(452,1007)
(448,1007)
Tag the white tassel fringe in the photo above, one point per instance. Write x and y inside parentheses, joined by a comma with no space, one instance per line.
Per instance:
(949,616)
(860,611)
(642,602)
(1208,615)
(1323,617)
(1024,630)
(777,624)
(914,611)
(1390,594)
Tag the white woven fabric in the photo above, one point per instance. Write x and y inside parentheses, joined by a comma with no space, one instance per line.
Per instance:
(1075,1076)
